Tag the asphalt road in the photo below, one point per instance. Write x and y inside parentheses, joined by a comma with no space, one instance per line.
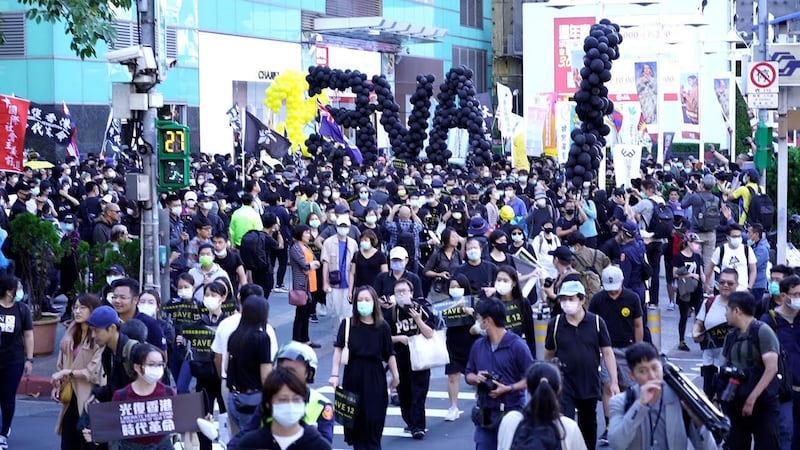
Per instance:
(34,420)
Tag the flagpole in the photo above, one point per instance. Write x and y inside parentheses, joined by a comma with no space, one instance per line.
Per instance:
(243,139)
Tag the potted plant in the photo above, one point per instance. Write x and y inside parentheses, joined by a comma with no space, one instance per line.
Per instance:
(35,246)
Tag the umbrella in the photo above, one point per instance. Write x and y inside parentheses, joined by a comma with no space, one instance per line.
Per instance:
(36,165)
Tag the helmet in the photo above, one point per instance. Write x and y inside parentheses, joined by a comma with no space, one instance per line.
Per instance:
(300,352)
(507,213)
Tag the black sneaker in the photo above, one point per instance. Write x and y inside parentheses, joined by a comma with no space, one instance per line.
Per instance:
(314,345)
(683,347)
(313,318)
(395,400)
(418,434)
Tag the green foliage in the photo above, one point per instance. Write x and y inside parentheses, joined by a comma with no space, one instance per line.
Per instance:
(87,21)
(93,263)
(743,128)
(793,201)
(36,246)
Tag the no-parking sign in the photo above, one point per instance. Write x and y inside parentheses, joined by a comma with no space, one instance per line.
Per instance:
(762,85)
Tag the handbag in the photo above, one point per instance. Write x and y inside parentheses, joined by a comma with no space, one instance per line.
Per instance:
(65,392)
(298,297)
(428,353)
(345,407)
(346,350)
(334,277)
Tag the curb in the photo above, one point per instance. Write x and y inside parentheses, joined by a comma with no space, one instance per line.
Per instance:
(35,387)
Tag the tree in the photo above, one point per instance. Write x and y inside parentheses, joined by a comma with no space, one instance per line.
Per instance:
(743,127)
(87,21)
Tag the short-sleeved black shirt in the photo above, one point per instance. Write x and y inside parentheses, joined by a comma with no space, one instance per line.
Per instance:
(13,322)
(618,314)
(479,276)
(578,350)
(244,366)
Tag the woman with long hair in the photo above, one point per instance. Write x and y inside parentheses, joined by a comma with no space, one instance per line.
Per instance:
(442,264)
(687,269)
(283,406)
(80,367)
(459,318)
(249,360)
(519,314)
(304,278)
(540,425)
(367,263)
(369,340)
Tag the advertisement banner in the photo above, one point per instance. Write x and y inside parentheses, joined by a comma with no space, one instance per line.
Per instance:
(647,90)
(723,92)
(565,116)
(628,132)
(538,116)
(13,120)
(690,108)
(627,162)
(569,35)
(505,107)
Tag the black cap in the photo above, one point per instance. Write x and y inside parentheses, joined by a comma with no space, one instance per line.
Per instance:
(562,252)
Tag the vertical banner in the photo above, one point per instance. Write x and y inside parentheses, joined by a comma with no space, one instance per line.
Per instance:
(569,35)
(13,121)
(722,90)
(628,132)
(549,131)
(669,136)
(564,125)
(538,116)
(690,108)
(519,157)
(627,163)
(505,108)
(647,90)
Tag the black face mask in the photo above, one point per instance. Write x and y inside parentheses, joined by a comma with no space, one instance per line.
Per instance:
(547,230)
(569,211)
(503,247)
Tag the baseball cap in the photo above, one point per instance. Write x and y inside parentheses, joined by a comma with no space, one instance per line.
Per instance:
(562,252)
(570,288)
(102,317)
(692,237)
(398,253)
(539,195)
(478,226)
(115,268)
(190,195)
(630,228)
(437,183)
(612,278)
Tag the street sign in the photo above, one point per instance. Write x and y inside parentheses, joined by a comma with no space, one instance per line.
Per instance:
(787,57)
(762,85)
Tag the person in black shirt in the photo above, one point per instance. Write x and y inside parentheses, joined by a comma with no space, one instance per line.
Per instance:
(229,260)
(687,268)
(480,272)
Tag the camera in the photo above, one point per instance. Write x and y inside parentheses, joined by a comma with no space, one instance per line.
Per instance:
(548,282)
(490,383)
(735,377)
(747,140)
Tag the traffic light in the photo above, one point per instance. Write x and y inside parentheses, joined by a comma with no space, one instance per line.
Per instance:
(174,160)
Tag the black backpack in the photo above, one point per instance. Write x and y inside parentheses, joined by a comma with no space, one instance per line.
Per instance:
(782,383)
(530,436)
(761,209)
(785,378)
(662,221)
(709,214)
(253,251)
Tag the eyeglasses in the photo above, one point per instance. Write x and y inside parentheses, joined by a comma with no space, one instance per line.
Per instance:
(726,283)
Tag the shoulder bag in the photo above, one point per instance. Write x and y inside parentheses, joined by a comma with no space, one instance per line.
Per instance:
(346,350)
(427,353)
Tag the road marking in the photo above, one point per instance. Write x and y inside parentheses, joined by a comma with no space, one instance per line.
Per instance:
(328,390)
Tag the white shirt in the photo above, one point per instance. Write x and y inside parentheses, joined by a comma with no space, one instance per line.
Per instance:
(737,260)
(573,439)
(224,331)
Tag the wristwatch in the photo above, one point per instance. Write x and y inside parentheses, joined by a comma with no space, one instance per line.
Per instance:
(30,360)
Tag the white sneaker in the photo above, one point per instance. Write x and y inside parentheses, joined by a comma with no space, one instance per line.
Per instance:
(453,413)
(3,442)
(671,306)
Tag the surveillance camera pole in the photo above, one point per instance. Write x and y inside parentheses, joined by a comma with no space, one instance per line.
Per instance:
(152,274)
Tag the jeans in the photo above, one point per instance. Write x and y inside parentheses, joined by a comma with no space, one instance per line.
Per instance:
(250,401)
(10,377)
(184,378)
(587,416)
(785,424)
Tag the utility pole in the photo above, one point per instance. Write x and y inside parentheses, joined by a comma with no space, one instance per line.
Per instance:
(151,252)
(763,135)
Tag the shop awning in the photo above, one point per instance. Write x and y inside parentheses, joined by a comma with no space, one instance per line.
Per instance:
(378,29)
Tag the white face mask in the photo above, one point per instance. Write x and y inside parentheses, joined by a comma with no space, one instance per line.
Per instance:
(111,278)
(176,210)
(343,230)
(402,300)
(288,414)
(735,242)
(152,374)
(794,303)
(185,293)
(207,205)
(211,303)
(148,309)
(502,287)
(371,220)
(570,307)
(457,215)
(456,292)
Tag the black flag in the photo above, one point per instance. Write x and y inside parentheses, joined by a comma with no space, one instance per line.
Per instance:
(260,137)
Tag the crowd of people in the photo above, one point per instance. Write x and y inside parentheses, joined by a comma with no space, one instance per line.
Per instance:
(400,249)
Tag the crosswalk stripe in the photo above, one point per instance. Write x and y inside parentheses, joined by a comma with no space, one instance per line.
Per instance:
(328,390)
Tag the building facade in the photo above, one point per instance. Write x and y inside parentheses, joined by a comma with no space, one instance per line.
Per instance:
(228,51)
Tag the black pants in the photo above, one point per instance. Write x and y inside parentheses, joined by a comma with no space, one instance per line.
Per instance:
(300,327)
(683,308)
(71,438)
(282,255)
(587,416)
(654,251)
(264,279)
(412,391)
(761,427)
(212,390)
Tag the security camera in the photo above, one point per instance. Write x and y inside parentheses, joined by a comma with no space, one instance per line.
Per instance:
(127,55)
(140,57)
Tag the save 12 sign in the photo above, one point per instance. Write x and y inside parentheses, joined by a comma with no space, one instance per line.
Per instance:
(762,85)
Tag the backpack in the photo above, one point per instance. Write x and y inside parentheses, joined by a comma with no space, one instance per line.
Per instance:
(785,379)
(253,251)
(589,277)
(761,209)
(708,216)
(126,357)
(782,383)
(405,239)
(662,221)
(530,436)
